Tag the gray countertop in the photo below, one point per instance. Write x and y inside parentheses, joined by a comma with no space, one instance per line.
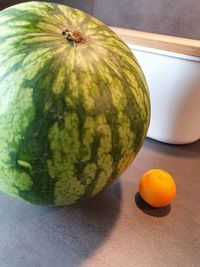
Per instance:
(115,228)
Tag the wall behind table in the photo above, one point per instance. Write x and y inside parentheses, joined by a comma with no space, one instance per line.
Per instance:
(172,17)
(84,5)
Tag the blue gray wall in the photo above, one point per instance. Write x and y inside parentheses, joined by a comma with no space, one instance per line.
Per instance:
(173,17)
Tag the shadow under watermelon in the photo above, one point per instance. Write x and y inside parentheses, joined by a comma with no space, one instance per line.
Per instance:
(56,236)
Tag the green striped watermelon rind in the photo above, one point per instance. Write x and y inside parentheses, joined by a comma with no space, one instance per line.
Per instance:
(72,118)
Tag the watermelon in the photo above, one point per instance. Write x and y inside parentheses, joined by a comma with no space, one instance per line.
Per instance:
(74,104)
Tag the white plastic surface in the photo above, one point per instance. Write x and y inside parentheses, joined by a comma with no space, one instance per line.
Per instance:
(174,84)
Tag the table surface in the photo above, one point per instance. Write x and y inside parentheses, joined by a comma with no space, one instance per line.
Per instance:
(115,228)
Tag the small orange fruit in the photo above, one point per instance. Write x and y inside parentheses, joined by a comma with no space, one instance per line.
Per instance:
(157,188)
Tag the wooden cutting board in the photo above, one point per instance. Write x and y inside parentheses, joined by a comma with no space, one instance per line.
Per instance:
(164,42)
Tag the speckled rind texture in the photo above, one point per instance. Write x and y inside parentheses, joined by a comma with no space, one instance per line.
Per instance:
(72,117)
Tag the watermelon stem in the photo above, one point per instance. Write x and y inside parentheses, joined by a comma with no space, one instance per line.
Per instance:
(74,38)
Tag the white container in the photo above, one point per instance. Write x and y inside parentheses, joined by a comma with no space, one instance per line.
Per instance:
(174,84)
(171,66)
